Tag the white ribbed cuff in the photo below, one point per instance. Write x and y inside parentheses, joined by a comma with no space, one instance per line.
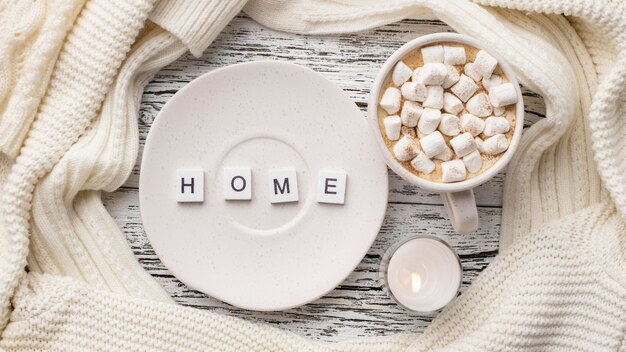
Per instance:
(195,23)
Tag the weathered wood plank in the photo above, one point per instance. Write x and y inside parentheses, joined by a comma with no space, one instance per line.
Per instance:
(359,306)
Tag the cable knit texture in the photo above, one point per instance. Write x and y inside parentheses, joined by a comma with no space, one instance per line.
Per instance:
(87,63)
(559,283)
(32,36)
(100,160)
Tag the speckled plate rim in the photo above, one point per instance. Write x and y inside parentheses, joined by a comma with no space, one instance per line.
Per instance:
(183,277)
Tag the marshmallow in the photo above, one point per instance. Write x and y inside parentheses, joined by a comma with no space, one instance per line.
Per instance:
(411,112)
(392,127)
(406,148)
(401,73)
(432,74)
(452,104)
(463,144)
(407,131)
(496,125)
(464,88)
(415,77)
(494,80)
(449,125)
(434,97)
(431,54)
(453,171)
(390,101)
(429,120)
(497,111)
(451,77)
(473,161)
(454,55)
(503,95)
(433,144)
(479,105)
(423,164)
(413,91)
(470,70)
(445,155)
(496,144)
(480,144)
(485,63)
(472,124)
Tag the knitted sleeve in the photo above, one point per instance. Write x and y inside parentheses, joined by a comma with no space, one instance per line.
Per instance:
(86,66)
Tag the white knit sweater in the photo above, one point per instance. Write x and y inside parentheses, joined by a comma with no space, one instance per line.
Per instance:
(71,76)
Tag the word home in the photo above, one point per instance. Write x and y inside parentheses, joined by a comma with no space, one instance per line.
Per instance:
(282,185)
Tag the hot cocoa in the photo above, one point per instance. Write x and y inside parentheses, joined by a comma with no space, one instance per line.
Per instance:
(447,112)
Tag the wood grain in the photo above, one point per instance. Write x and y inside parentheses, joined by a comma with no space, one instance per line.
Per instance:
(360,305)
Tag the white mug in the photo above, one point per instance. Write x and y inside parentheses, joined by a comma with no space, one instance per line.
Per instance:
(458,197)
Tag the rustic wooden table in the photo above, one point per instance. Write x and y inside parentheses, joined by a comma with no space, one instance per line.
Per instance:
(359,306)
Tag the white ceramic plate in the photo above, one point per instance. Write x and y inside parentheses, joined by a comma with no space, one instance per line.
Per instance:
(253,254)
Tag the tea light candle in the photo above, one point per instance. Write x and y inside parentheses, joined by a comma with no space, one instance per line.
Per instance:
(423,274)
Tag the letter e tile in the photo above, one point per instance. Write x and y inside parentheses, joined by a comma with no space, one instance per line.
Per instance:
(331,187)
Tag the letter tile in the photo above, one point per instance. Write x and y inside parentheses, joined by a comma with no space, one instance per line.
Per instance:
(331,186)
(283,186)
(189,185)
(237,183)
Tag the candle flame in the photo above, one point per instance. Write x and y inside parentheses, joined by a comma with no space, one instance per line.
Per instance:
(416,282)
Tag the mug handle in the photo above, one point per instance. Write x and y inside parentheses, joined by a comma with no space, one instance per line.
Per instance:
(461,208)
